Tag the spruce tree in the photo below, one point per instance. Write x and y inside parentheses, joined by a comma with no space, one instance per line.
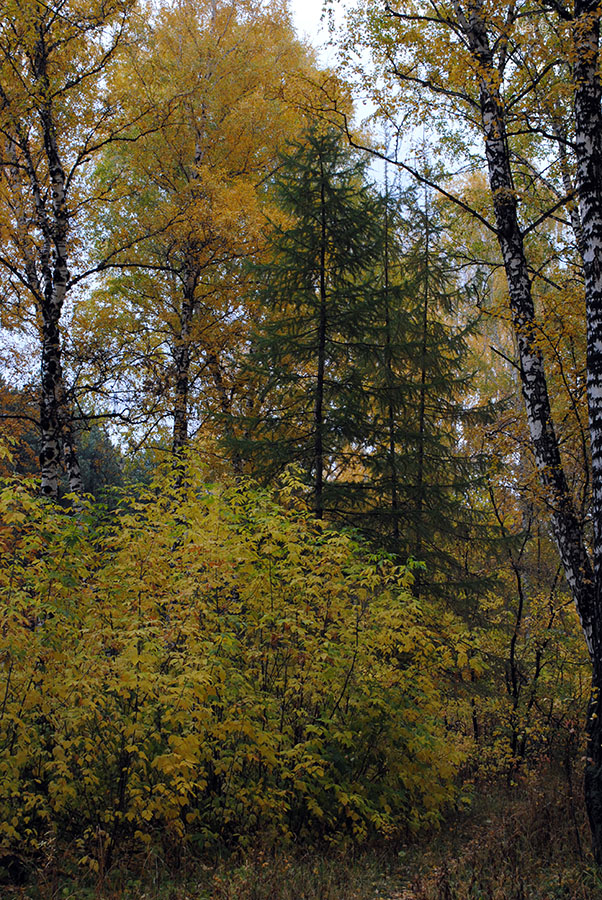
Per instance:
(361,363)
(420,471)
(315,292)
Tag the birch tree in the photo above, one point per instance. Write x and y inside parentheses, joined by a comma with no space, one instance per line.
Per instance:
(221,77)
(55,117)
(521,79)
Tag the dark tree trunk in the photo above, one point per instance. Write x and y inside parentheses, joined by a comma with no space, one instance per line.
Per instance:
(419,504)
(181,354)
(391,411)
(321,363)
(53,222)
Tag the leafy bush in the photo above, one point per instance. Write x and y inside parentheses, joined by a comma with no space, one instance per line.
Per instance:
(205,664)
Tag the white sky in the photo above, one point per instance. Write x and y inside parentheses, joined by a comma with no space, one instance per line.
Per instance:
(307,20)
(306,16)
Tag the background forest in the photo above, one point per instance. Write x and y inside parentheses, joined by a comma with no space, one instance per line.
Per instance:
(300,455)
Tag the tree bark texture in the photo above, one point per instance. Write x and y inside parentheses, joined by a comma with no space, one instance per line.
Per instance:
(55,418)
(588,152)
(44,201)
(582,573)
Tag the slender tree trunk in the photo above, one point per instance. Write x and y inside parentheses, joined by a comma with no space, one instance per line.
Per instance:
(588,151)
(391,416)
(321,368)
(422,395)
(56,424)
(181,355)
(391,422)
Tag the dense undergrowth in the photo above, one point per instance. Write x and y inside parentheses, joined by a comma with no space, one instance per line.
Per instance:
(201,667)
(523,842)
(206,693)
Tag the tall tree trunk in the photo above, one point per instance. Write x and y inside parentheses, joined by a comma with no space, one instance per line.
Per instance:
(321,361)
(391,411)
(48,288)
(583,577)
(181,355)
(419,504)
(56,419)
(588,151)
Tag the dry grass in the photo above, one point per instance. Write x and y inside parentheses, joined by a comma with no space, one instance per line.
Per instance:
(528,842)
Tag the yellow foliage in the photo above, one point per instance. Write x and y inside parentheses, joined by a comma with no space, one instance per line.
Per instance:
(204,664)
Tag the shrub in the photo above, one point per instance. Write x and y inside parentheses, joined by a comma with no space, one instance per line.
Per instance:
(205,664)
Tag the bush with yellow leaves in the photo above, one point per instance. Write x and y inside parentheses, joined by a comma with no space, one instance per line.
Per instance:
(205,664)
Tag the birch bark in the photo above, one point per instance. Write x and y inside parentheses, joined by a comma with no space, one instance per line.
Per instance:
(582,575)
(53,222)
(588,152)
(54,119)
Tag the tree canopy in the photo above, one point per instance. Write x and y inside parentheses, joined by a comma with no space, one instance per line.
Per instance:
(300,458)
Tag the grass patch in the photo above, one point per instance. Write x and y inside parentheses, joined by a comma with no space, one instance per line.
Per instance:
(264,876)
(528,841)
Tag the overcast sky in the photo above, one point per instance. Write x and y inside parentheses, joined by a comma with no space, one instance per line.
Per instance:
(306,16)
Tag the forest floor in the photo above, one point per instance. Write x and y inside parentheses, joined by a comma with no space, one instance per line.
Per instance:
(525,842)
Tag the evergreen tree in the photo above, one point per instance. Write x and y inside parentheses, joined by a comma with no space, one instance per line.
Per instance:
(362,363)
(420,470)
(315,292)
